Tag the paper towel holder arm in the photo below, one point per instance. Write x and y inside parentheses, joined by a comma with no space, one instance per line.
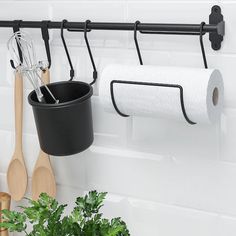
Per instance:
(149,84)
(202,45)
(136,42)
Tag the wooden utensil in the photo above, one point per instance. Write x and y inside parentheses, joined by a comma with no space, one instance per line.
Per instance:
(43,179)
(5,202)
(16,174)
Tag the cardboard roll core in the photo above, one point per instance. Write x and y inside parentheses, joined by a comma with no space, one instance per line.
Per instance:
(215,96)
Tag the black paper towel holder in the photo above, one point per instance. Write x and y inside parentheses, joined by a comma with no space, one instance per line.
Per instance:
(215,37)
(177,86)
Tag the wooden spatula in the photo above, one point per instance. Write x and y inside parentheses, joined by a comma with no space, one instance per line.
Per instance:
(16,174)
(43,180)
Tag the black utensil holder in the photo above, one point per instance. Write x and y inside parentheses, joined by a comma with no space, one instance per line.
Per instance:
(65,128)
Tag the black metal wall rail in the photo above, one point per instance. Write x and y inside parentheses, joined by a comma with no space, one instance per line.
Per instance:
(215,28)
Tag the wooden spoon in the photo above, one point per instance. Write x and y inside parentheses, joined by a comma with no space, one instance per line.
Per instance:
(16,174)
(43,180)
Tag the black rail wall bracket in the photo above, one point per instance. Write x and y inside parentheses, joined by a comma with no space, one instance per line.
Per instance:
(217,18)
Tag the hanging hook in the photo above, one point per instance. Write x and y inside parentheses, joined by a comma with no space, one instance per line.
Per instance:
(72,72)
(136,42)
(95,73)
(16,28)
(202,45)
(45,35)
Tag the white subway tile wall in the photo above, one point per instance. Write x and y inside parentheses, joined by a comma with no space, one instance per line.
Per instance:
(164,178)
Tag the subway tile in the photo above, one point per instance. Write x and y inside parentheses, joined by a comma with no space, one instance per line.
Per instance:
(4,81)
(114,10)
(3,183)
(229,17)
(7,119)
(6,147)
(70,170)
(176,139)
(116,206)
(206,186)
(227,192)
(149,218)
(110,129)
(228,136)
(227,226)
(6,103)
(196,184)
(104,168)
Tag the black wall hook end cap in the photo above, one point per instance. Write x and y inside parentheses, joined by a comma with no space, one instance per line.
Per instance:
(217,18)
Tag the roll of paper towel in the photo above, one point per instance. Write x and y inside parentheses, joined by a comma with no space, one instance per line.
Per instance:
(203,92)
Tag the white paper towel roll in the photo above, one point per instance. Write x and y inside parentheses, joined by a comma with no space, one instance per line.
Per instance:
(203,92)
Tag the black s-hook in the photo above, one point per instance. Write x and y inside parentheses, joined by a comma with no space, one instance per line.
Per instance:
(136,42)
(202,45)
(45,36)
(16,28)
(95,73)
(72,72)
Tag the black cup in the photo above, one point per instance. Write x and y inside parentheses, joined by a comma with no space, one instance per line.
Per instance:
(65,128)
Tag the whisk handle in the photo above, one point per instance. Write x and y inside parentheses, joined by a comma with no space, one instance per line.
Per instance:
(46,76)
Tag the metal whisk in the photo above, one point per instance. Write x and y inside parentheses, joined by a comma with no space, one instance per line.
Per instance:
(30,67)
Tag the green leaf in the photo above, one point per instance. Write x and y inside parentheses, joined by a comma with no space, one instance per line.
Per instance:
(46,218)
(13,221)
